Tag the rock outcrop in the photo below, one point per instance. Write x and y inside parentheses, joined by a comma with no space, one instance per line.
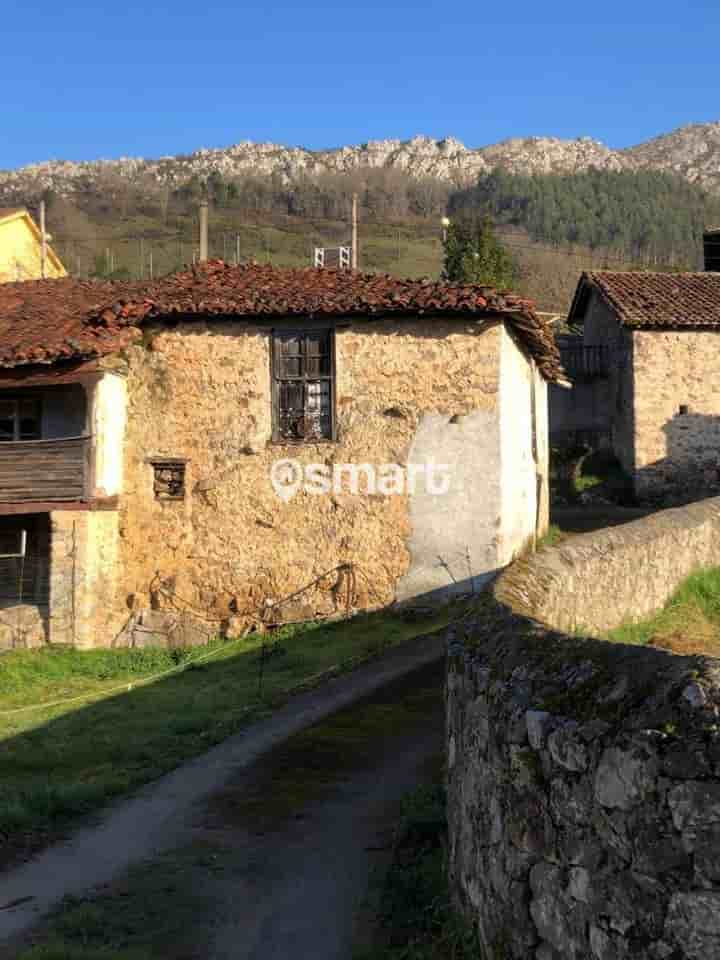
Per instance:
(692,152)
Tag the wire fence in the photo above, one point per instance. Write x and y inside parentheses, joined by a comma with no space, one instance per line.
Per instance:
(412,247)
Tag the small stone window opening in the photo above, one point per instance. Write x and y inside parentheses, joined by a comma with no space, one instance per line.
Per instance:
(683,410)
(168,479)
(303,385)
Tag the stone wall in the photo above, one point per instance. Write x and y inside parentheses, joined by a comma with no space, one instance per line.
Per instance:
(584,776)
(676,409)
(85,608)
(595,581)
(202,393)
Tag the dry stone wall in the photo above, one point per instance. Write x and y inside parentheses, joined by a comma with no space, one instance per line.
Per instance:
(597,581)
(584,776)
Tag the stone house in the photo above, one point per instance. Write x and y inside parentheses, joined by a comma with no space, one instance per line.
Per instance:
(662,335)
(142,427)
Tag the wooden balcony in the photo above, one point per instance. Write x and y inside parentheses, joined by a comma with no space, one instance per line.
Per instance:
(585,363)
(44,471)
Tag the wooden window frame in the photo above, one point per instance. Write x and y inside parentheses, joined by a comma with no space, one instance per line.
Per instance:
(277,377)
(159,464)
(18,398)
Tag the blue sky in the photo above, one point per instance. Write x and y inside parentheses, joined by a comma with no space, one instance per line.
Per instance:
(82,80)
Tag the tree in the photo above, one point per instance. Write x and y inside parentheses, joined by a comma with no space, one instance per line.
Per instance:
(473,254)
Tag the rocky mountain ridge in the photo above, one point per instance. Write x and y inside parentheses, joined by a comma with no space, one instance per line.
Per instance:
(692,152)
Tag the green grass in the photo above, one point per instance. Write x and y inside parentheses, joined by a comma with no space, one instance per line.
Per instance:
(552,536)
(415,918)
(145,916)
(688,623)
(61,761)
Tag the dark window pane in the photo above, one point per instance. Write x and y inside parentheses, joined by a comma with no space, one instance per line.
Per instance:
(290,346)
(8,410)
(29,419)
(316,343)
(290,366)
(29,429)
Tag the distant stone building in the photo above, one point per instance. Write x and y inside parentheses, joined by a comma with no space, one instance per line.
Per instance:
(580,417)
(142,426)
(21,248)
(662,334)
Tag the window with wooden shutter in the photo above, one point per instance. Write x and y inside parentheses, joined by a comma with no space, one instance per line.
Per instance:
(303,385)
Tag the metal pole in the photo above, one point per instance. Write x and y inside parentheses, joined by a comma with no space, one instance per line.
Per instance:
(43,242)
(354,231)
(203,231)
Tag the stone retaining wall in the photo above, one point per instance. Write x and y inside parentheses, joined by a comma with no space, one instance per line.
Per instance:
(597,581)
(584,776)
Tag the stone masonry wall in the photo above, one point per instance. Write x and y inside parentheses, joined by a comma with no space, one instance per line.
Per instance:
(202,393)
(595,581)
(85,609)
(676,408)
(584,776)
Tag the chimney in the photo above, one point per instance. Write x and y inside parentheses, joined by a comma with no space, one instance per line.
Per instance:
(711,247)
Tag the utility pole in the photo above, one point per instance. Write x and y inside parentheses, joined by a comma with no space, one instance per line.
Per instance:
(354,254)
(237,249)
(203,231)
(43,242)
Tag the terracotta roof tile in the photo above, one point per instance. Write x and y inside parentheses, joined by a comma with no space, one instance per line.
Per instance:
(659,299)
(46,320)
(42,321)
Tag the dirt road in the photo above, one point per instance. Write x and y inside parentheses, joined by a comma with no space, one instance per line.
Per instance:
(276,863)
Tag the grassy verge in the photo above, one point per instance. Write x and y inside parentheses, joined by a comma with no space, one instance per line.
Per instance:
(145,916)
(415,919)
(62,761)
(689,623)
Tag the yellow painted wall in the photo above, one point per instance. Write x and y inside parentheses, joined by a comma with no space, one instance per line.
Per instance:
(20,252)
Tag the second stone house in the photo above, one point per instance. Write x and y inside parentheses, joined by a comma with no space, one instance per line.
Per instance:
(660,333)
(217,440)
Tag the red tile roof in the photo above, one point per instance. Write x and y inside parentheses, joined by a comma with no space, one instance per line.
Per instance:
(47,320)
(655,299)
(42,321)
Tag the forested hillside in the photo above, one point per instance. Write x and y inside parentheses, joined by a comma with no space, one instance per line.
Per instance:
(554,225)
(650,216)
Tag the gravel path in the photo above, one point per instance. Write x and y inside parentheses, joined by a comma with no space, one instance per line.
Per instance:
(163,815)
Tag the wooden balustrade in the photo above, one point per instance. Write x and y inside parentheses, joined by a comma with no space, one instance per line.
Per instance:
(44,470)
